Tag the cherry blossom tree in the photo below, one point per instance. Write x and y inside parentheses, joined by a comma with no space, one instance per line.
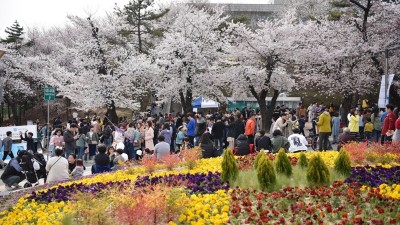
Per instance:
(345,55)
(261,59)
(95,67)
(189,54)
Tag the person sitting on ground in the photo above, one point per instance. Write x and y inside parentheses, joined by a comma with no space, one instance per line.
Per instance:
(71,162)
(162,148)
(207,146)
(101,160)
(263,142)
(12,174)
(119,160)
(345,138)
(279,141)
(78,170)
(111,154)
(297,141)
(242,145)
(57,167)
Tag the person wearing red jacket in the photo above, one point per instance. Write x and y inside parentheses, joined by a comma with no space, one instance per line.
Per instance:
(388,126)
(250,128)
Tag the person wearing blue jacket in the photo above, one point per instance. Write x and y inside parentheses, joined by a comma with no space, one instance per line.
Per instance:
(191,127)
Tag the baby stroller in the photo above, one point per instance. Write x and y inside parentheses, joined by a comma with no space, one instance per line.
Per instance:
(33,166)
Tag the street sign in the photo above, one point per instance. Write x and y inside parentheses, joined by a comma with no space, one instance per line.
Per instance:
(49,93)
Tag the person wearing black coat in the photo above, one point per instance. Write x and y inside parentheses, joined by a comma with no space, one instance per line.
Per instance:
(30,143)
(239,127)
(218,133)
(207,146)
(231,132)
(242,144)
(263,142)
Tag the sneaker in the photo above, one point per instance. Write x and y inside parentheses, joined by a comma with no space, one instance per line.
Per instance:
(9,188)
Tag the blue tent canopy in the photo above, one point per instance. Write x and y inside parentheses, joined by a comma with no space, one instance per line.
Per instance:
(197,102)
(200,102)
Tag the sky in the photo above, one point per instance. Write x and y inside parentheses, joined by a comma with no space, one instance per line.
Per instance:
(48,13)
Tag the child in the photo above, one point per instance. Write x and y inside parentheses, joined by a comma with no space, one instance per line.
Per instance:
(179,139)
(368,128)
(78,171)
(186,144)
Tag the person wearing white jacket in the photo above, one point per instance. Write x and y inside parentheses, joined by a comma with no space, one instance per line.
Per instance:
(280,123)
(57,167)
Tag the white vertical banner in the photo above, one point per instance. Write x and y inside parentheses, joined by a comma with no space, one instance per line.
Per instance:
(382,102)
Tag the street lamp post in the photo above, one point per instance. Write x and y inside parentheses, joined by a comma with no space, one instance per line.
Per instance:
(387,51)
(386,75)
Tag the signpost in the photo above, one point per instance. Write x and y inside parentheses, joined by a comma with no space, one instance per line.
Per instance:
(49,95)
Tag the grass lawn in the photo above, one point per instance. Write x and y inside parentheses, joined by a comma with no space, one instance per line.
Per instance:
(247,179)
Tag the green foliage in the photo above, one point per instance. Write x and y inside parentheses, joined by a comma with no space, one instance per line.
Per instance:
(317,172)
(266,173)
(260,155)
(140,16)
(303,163)
(282,163)
(229,166)
(343,163)
(15,33)
(335,15)
(340,4)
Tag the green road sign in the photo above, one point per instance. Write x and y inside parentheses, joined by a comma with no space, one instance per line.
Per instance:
(49,93)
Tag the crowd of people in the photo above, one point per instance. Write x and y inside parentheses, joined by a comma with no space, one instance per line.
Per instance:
(110,145)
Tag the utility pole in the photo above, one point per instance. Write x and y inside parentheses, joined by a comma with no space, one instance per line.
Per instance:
(386,76)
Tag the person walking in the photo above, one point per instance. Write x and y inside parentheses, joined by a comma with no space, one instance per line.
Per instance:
(376,121)
(93,141)
(389,124)
(335,128)
(70,139)
(191,128)
(231,132)
(7,143)
(217,133)
(201,127)
(324,124)
(148,136)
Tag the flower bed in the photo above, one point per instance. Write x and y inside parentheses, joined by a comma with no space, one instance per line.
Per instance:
(374,176)
(371,194)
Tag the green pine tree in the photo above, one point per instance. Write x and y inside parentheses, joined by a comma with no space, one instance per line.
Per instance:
(343,163)
(303,160)
(317,171)
(230,170)
(282,163)
(260,155)
(265,173)
(140,15)
(15,35)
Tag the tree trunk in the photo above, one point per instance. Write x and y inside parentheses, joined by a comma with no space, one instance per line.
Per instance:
(2,114)
(346,105)
(186,102)
(14,110)
(270,111)
(67,111)
(8,110)
(112,112)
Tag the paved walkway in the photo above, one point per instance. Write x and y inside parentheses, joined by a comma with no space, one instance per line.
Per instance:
(3,190)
